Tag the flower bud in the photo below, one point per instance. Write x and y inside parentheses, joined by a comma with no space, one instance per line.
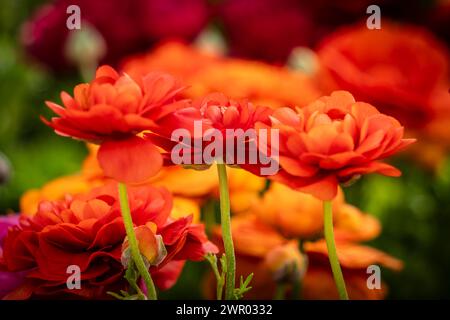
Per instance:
(151,246)
(286,263)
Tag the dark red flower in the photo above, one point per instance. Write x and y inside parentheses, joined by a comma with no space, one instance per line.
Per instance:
(403,70)
(266,29)
(87,230)
(126,26)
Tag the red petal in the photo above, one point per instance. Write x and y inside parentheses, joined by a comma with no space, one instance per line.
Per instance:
(168,275)
(130,160)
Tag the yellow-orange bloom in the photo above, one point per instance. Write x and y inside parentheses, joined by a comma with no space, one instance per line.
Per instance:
(237,79)
(301,215)
(258,247)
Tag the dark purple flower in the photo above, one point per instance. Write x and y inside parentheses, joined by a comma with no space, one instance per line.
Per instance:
(8,280)
(126,26)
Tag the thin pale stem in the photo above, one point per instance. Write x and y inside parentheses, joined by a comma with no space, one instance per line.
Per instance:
(226,231)
(332,254)
(133,243)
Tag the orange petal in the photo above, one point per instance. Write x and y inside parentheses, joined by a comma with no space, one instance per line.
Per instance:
(325,189)
(106,71)
(297,168)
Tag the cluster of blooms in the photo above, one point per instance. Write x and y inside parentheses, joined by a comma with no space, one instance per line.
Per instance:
(247,25)
(267,240)
(418,97)
(77,219)
(328,138)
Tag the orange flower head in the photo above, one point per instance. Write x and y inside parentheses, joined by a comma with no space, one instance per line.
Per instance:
(262,250)
(259,82)
(111,110)
(334,140)
(300,216)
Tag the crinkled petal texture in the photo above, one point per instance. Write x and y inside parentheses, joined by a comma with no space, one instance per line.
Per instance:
(87,230)
(401,74)
(216,127)
(334,140)
(112,109)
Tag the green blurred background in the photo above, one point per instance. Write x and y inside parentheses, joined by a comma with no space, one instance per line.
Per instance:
(414,209)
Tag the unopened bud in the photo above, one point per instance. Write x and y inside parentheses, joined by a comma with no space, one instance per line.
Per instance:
(286,263)
(151,246)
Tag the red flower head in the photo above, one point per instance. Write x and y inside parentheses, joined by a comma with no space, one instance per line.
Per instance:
(403,70)
(87,231)
(221,122)
(111,110)
(332,141)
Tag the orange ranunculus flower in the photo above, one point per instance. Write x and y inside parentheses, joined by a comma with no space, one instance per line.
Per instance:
(352,225)
(301,215)
(238,79)
(354,259)
(111,110)
(286,263)
(258,244)
(403,70)
(244,188)
(87,230)
(55,190)
(223,126)
(183,184)
(334,140)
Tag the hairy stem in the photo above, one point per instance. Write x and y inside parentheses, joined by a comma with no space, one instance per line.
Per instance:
(133,243)
(226,231)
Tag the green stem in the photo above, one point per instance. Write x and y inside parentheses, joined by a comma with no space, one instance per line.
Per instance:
(209,216)
(296,289)
(220,277)
(133,243)
(280,291)
(332,254)
(226,231)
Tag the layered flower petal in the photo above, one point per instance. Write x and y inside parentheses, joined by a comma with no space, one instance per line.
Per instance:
(333,141)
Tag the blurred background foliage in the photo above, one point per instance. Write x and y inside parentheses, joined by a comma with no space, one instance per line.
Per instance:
(34,152)
(414,209)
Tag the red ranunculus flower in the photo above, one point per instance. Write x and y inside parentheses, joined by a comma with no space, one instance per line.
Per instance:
(334,140)
(87,230)
(111,110)
(403,70)
(278,26)
(221,121)
(126,26)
